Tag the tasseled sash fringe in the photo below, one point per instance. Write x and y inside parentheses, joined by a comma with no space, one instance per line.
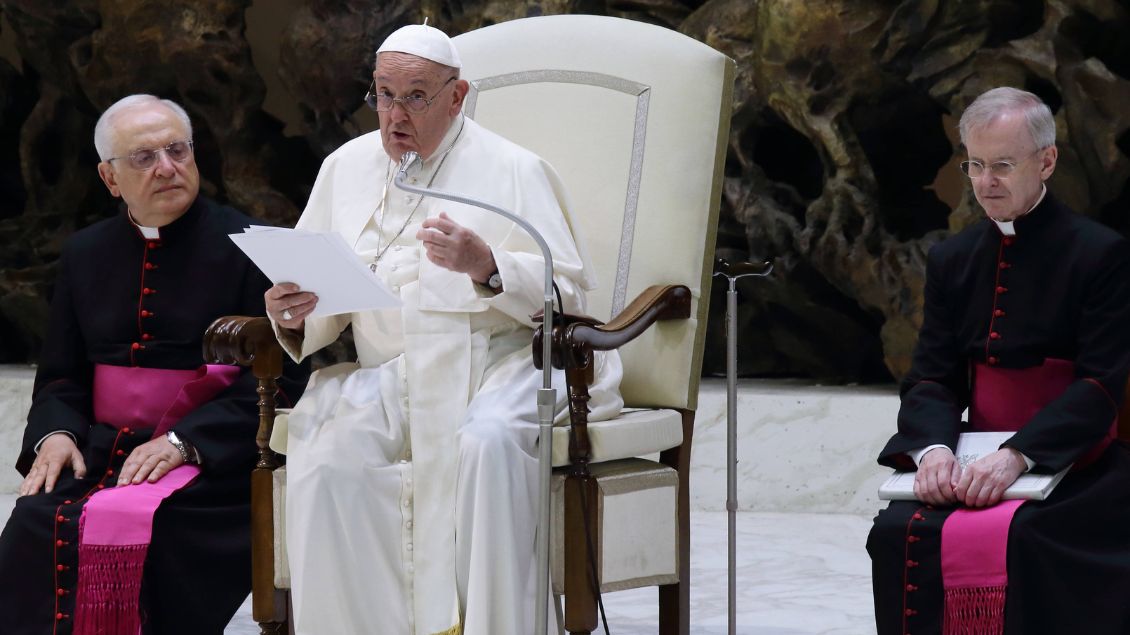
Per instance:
(109,590)
(115,530)
(974,611)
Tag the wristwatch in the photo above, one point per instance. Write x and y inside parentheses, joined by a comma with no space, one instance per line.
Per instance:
(187,452)
(495,281)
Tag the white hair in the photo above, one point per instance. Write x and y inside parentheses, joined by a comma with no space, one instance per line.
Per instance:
(996,102)
(104,129)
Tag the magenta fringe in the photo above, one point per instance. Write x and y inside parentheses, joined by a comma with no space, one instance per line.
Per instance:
(109,589)
(974,611)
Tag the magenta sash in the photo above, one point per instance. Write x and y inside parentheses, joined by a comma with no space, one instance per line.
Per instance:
(1004,399)
(116,526)
(975,541)
(975,569)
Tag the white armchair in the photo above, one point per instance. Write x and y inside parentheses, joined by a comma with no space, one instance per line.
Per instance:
(635,119)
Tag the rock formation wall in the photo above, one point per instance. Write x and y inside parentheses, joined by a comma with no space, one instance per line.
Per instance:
(842,156)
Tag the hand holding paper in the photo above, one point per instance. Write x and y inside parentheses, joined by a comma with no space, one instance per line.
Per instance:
(289,305)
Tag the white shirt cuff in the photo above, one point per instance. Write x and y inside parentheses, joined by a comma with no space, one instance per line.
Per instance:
(916,455)
(51,433)
(1029,463)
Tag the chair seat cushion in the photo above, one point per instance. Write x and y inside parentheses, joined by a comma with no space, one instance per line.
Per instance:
(279,431)
(633,433)
(282,563)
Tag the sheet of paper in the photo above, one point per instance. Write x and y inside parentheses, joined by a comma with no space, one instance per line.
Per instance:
(319,262)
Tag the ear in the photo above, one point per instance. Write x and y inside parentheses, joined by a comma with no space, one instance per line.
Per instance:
(1047,162)
(457,95)
(106,172)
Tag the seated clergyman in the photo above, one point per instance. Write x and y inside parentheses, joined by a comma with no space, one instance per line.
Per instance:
(135,507)
(1027,324)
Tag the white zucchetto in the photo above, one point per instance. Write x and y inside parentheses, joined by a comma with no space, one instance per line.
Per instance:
(423,41)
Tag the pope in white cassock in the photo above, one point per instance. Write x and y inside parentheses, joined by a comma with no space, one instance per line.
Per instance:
(412,474)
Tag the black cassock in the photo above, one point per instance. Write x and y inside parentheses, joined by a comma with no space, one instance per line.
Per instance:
(1059,288)
(124,300)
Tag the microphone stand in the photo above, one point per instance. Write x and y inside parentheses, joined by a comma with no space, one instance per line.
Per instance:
(547,395)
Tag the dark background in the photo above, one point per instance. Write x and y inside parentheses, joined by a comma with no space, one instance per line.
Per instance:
(841,164)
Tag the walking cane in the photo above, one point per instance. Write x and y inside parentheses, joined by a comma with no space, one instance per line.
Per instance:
(732,272)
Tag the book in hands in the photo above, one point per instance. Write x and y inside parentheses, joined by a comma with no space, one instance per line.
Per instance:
(970,447)
(319,262)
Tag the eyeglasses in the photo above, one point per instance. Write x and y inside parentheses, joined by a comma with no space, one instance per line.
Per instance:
(145,158)
(997,169)
(382,102)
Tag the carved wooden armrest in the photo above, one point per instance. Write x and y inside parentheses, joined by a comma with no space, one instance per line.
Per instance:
(655,303)
(250,341)
(576,337)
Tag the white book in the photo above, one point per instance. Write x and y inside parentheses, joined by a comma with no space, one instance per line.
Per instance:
(320,262)
(970,447)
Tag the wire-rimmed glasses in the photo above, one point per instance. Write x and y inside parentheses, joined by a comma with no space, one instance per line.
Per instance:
(145,158)
(997,169)
(416,104)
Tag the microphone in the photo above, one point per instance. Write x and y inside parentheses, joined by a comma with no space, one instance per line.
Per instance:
(547,395)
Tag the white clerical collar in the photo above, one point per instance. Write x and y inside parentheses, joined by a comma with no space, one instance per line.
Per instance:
(150,233)
(1008,228)
(446,143)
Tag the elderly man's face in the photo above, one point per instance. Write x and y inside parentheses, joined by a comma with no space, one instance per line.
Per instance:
(1008,139)
(402,75)
(162,193)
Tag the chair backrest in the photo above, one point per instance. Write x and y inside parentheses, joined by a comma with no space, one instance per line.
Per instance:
(635,119)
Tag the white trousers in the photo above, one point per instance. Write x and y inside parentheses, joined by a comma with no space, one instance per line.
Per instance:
(349,505)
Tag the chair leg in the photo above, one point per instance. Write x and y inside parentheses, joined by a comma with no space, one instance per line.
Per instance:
(675,599)
(674,609)
(268,605)
(273,628)
(580,600)
(285,624)
(560,615)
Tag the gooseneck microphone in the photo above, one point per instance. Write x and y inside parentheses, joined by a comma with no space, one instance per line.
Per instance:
(547,395)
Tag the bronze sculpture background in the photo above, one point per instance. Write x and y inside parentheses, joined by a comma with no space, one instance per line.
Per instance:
(842,161)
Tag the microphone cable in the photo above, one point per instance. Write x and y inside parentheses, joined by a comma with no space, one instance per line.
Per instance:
(594,579)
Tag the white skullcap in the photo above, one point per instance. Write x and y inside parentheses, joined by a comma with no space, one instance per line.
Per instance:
(423,41)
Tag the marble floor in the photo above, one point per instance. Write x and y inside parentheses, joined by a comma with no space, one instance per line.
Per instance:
(796,574)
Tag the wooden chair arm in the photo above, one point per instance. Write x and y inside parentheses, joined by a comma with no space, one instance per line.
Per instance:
(250,341)
(575,338)
(654,304)
(247,341)
(577,332)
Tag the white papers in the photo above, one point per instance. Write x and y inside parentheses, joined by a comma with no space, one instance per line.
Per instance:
(970,447)
(319,262)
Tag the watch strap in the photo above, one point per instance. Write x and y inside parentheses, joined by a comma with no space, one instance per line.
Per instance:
(187,452)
